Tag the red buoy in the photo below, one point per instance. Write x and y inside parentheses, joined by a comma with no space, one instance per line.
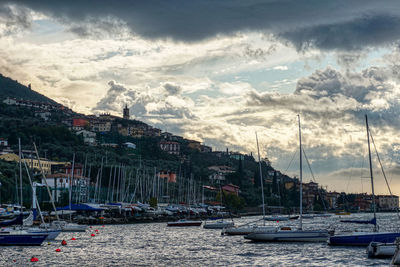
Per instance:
(73,238)
(90,227)
(64,243)
(92,235)
(102,226)
(58,250)
(34,259)
(96,230)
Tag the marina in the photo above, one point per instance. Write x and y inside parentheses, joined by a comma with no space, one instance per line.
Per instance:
(156,244)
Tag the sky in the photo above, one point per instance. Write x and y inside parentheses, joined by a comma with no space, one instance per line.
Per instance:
(220,71)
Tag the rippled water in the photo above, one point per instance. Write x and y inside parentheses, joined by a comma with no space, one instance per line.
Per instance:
(158,245)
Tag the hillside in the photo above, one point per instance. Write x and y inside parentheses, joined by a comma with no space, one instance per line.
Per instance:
(11,88)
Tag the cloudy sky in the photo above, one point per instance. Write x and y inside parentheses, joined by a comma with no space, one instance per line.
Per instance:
(219,71)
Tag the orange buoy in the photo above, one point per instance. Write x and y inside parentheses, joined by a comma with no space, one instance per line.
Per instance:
(92,235)
(58,250)
(34,259)
(73,238)
(64,243)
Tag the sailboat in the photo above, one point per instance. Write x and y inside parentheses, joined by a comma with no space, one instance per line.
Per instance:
(289,234)
(365,238)
(220,223)
(250,227)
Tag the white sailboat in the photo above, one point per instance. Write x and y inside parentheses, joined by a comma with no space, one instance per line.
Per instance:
(250,227)
(289,234)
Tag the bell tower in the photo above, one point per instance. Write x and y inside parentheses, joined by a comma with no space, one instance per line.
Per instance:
(126,112)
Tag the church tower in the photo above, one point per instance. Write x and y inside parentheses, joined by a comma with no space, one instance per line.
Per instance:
(126,112)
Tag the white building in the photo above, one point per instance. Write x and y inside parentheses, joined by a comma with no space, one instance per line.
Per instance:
(387,202)
(88,137)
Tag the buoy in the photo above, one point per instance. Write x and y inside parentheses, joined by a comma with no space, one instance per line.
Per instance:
(96,230)
(90,227)
(48,243)
(73,238)
(34,259)
(64,243)
(14,260)
(58,250)
(102,226)
(92,235)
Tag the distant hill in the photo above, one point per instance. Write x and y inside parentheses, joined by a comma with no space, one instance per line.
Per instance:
(11,88)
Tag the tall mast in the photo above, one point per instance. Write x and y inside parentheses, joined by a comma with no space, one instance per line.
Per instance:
(261,180)
(301,178)
(370,172)
(20,171)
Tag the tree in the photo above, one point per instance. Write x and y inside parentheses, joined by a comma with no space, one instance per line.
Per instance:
(153,202)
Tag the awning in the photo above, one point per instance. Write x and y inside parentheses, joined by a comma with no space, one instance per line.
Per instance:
(80,207)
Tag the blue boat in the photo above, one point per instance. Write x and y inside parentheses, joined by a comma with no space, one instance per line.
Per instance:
(364,238)
(21,238)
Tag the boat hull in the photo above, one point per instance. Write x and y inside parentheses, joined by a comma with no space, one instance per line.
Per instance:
(218,225)
(289,236)
(381,250)
(22,239)
(52,234)
(184,224)
(362,239)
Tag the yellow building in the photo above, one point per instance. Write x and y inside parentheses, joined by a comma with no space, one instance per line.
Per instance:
(33,163)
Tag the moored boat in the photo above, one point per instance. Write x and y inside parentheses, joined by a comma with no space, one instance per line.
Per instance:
(381,250)
(21,238)
(218,225)
(183,222)
(287,234)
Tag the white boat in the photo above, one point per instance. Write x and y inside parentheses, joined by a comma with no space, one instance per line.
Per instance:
(245,229)
(221,224)
(381,250)
(66,226)
(288,234)
(396,257)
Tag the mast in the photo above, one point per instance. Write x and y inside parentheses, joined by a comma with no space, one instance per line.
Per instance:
(261,180)
(370,172)
(20,171)
(301,178)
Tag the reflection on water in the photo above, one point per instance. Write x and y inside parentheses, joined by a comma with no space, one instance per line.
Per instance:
(158,245)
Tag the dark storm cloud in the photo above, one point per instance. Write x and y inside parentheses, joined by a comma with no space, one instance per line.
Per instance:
(13,19)
(336,24)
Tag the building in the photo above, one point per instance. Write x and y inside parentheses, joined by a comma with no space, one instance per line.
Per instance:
(45,115)
(205,149)
(219,172)
(170,147)
(32,162)
(126,113)
(231,189)
(79,124)
(171,176)
(194,145)
(332,199)
(88,137)
(3,142)
(60,182)
(387,202)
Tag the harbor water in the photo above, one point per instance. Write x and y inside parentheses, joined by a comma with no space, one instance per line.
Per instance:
(155,244)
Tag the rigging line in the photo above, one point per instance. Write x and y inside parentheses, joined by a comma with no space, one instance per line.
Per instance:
(312,175)
(295,152)
(383,171)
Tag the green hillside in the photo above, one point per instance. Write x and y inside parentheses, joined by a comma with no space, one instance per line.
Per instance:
(11,88)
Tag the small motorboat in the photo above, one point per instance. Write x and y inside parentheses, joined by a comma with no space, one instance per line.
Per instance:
(287,234)
(381,250)
(183,222)
(244,230)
